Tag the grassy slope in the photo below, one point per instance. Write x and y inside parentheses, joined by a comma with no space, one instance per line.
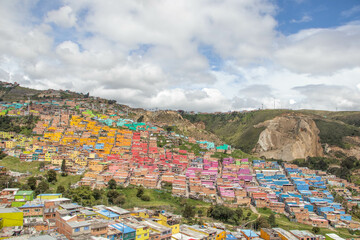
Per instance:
(159,199)
(14,164)
(237,129)
(19,93)
(284,223)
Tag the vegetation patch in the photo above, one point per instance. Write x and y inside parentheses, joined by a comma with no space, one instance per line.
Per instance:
(333,133)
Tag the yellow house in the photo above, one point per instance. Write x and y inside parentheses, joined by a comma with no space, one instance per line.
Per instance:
(9,144)
(49,196)
(48,156)
(142,231)
(140,213)
(11,217)
(212,233)
(56,161)
(166,220)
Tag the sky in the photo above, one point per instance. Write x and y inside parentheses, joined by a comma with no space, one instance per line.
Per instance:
(203,55)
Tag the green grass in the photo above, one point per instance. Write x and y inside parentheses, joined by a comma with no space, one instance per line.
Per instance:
(283,222)
(334,132)
(159,199)
(14,164)
(65,181)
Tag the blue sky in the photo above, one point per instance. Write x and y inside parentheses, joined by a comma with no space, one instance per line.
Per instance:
(192,55)
(295,15)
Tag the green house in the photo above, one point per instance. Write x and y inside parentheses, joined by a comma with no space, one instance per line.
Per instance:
(25,195)
(21,197)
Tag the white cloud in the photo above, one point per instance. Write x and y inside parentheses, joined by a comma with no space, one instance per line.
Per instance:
(351,11)
(146,54)
(330,96)
(63,17)
(305,18)
(321,51)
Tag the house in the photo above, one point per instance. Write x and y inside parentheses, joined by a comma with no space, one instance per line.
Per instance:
(165,232)
(303,235)
(32,210)
(75,230)
(49,196)
(142,231)
(284,235)
(124,232)
(269,234)
(249,234)
(11,217)
(99,228)
(21,197)
(108,215)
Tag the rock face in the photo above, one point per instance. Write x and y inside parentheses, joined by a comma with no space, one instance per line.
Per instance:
(289,137)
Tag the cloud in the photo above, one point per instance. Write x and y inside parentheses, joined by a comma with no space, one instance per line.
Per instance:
(321,51)
(161,53)
(350,12)
(331,97)
(305,18)
(63,17)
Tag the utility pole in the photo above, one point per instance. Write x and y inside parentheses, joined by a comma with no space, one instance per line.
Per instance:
(274,103)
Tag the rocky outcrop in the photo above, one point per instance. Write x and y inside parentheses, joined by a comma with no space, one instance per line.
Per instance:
(289,137)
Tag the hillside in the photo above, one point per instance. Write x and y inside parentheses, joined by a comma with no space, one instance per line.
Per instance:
(279,134)
(14,92)
(337,132)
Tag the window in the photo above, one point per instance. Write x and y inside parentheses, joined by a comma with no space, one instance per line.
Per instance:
(77,229)
(139,236)
(145,234)
(86,228)
(37,210)
(25,210)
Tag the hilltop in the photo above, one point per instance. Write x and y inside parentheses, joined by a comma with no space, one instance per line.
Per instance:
(279,134)
(270,133)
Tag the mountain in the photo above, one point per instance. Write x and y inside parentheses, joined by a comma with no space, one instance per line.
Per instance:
(278,134)
(286,134)
(12,92)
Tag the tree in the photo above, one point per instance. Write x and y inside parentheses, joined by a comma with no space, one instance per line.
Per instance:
(112,184)
(261,222)
(42,188)
(140,192)
(120,200)
(239,213)
(31,182)
(145,197)
(63,166)
(51,176)
(272,220)
(97,193)
(2,154)
(188,211)
(315,230)
(112,195)
(60,189)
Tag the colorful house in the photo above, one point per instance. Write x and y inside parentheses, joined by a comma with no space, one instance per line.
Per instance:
(126,233)
(49,196)
(11,217)
(21,197)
